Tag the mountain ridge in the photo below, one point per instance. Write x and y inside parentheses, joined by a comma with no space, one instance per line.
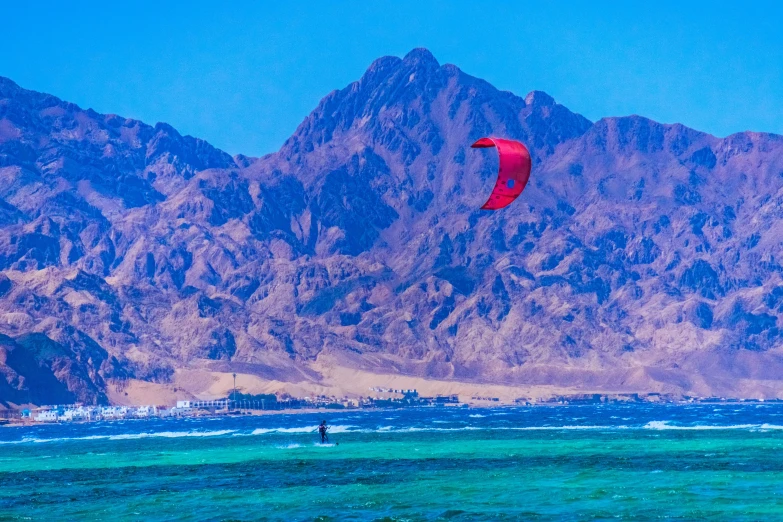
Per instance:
(624,265)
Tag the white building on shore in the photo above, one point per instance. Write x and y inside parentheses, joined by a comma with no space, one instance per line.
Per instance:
(46,416)
(81,413)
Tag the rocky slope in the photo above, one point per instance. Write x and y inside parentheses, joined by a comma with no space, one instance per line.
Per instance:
(641,257)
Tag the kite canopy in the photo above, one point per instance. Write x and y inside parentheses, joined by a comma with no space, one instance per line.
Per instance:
(513,173)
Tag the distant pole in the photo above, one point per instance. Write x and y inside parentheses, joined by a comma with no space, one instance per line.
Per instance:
(235,388)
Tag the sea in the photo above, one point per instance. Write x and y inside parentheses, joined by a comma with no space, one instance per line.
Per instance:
(592,462)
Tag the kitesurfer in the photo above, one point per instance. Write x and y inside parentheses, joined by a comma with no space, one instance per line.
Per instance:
(322,429)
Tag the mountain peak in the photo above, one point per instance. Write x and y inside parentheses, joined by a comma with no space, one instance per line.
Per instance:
(539,98)
(394,104)
(421,56)
(382,63)
(8,86)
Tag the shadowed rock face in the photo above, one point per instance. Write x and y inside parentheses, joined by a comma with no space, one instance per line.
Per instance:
(641,256)
(39,370)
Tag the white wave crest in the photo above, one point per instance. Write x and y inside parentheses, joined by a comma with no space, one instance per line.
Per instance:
(171,434)
(665,425)
(123,436)
(306,429)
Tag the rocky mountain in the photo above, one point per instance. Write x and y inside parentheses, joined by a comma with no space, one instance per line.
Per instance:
(641,257)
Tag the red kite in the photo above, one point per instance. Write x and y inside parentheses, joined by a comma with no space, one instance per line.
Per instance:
(513,173)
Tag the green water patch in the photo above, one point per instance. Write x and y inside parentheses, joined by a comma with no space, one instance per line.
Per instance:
(426,475)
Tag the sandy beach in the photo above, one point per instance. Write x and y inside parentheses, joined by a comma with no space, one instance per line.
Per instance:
(337,381)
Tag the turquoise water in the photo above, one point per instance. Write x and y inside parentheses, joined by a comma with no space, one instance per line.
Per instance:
(720,462)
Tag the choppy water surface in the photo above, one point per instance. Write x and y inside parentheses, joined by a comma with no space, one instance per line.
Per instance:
(544,463)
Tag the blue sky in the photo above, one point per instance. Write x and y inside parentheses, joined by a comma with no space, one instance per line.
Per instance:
(244,75)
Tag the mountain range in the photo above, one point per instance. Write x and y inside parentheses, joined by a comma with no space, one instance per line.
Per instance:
(642,257)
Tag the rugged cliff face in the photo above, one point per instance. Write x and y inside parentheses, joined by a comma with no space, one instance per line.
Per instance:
(641,256)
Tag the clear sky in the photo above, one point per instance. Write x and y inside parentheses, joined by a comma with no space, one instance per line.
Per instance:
(244,75)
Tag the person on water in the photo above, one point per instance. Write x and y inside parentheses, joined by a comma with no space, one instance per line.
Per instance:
(322,428)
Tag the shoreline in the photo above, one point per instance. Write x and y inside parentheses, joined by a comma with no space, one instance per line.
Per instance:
(17,423)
